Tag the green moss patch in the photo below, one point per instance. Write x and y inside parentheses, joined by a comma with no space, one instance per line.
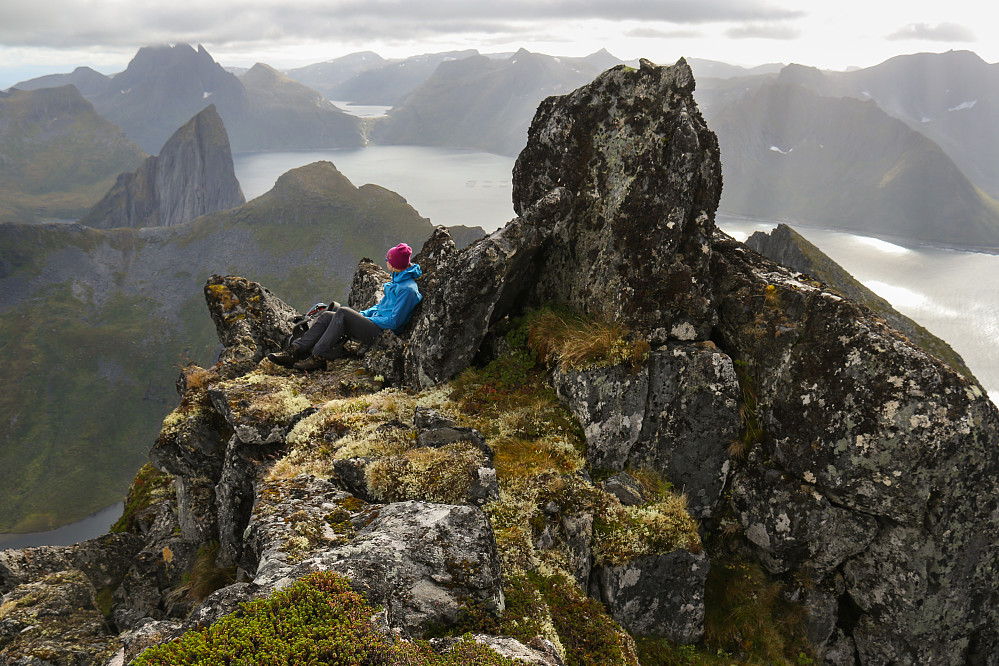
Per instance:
(149,487)
(318,620)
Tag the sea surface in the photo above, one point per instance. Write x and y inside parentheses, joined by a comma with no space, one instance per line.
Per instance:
(954,294)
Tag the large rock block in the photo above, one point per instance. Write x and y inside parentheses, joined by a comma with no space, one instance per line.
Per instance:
(424,563)
(104,561)
(484,283)
(250,321)
(678,415)
(878,471)
(656,595)
(645,175)
(53,620)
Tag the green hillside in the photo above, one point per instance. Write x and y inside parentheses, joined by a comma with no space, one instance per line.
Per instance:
(94,325)
(57,156)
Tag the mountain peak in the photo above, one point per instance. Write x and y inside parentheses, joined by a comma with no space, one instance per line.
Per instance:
(192,176)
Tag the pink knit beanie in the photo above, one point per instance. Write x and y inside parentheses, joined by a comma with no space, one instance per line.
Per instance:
(398,257)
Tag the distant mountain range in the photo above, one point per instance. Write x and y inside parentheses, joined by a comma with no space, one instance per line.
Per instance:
(789,153)
(163,87)
(485,103)
(383,83)
(952,98)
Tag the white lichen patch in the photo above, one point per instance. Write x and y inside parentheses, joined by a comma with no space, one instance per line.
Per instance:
(622,533)
(441,475)
(684,331)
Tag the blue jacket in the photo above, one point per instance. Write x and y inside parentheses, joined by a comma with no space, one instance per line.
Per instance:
(401,296)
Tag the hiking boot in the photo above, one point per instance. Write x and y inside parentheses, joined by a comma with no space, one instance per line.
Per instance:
(310,364)
(287,358)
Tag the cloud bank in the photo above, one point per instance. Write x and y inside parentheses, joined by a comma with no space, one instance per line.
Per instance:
(129,23)
(943,32)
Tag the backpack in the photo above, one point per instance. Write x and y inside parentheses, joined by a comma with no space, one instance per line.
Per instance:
(301,324)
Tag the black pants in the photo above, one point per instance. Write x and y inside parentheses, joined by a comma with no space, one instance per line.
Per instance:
(326,335)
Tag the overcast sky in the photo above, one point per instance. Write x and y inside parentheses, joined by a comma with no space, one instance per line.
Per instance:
(57,35)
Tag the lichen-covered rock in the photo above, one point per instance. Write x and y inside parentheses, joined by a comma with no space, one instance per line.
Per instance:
(144,592)
(879,457)
(261,408)
(192,441)
(250,321)
(384,358)
(644,173)
(801,526)
(678,415)
(104,561)
(625,488)
(366,287)
(425,563)
(145,635)
(545,654)
(656,595)
(197,509)
(478,287)
(53,620)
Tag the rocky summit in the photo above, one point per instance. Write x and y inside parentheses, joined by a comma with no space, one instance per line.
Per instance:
(486,473)
(192,176)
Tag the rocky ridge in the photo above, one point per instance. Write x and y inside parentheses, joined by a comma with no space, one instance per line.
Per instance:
(852,465)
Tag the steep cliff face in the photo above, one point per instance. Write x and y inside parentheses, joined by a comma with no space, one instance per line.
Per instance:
(192,176)
(856,469)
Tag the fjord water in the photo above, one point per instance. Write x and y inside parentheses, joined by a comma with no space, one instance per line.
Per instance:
(451,186)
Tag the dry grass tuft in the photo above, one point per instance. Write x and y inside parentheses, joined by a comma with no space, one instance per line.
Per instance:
(574,342)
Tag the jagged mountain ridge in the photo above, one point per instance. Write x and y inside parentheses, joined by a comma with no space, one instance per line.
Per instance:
(163,87)
(192,176)
(57,155)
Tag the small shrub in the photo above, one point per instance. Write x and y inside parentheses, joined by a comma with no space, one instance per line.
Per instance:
(149,486)
(747,614)
(317,620)
(205,577)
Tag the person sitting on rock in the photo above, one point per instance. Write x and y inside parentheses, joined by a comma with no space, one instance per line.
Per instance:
(324,339)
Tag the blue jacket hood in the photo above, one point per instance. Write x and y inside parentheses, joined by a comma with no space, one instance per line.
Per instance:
(401,295)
